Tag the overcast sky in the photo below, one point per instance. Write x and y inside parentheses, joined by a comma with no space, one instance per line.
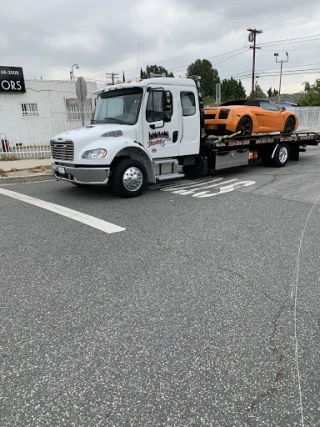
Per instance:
(47,38)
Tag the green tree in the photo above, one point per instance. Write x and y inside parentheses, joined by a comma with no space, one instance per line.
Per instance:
(155,69)
(307,86)
(271,92)
(312,96)
(232,90)
(209,76)
(258,93)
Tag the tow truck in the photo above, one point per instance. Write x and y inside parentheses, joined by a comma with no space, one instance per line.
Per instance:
(154,130)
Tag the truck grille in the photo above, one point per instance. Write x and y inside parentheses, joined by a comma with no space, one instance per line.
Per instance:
(62,150)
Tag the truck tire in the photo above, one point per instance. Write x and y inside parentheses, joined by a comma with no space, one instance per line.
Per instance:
(189,171)
(129,178)
(281,155)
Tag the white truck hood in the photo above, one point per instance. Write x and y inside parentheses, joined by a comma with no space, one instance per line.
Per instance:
(91,133)
(90,137)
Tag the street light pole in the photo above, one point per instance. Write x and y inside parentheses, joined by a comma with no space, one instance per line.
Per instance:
(281,67)
(72,73)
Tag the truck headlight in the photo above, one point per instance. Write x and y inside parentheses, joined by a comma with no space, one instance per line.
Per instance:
(99,153)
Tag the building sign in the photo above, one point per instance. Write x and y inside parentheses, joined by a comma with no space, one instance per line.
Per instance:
(11,80)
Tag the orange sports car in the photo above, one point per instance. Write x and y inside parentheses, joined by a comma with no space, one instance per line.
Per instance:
(249,116)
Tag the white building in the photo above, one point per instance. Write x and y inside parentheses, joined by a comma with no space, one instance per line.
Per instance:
(46,108)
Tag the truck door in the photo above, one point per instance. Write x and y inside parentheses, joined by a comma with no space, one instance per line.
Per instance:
(190,115)
(161,122)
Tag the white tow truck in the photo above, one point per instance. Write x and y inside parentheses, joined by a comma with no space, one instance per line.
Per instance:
(144,132)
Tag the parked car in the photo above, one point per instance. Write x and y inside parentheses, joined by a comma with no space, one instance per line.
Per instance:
(249,116)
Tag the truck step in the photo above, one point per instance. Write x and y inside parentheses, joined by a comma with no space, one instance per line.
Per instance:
(164,161)
(169,176)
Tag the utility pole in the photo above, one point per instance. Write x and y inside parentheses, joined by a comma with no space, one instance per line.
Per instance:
(281,66)
(112,75)
(253,38)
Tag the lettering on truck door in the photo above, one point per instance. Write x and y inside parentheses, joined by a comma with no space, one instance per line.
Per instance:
(161,122)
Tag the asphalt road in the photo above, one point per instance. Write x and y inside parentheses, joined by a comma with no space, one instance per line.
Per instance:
(204,311)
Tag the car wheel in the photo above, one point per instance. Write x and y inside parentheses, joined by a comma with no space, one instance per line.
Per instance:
(245,126)
(281,155)
(129,178)
(290,125)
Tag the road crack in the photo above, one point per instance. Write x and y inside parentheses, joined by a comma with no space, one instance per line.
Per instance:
(279,373)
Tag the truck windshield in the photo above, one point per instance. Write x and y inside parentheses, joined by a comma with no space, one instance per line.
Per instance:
(118,106)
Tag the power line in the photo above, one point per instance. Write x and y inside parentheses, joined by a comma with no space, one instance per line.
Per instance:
(292,40)
(291,24)
(217,58)
(189,53)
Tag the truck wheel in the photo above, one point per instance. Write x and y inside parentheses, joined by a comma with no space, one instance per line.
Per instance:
(281,156)
(189,171)
(129,178)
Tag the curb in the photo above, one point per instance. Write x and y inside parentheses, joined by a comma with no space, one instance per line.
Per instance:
(27,178)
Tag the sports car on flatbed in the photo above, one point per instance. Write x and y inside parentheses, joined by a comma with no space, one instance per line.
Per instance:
(250,116)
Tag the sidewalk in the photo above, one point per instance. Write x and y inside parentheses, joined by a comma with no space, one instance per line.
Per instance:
(24,170)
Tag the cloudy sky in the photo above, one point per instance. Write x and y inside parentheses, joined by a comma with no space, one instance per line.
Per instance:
(47,38)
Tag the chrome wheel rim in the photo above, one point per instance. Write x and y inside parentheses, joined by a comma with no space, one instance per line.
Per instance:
(132,179)
(283,154)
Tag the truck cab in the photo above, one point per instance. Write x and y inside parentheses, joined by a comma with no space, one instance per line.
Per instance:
(140,131)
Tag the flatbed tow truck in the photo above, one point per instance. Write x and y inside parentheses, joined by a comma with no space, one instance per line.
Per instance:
(154,130)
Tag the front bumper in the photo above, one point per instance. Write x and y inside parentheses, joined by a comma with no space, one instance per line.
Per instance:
(81,175)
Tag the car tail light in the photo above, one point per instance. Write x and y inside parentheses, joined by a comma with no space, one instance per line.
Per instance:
(224,113)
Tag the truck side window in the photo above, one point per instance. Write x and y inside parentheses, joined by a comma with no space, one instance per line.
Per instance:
(188,103)
(155,111)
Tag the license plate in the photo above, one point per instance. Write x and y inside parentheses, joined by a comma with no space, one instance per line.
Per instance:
(61,170)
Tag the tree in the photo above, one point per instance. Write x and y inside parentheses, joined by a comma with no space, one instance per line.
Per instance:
(155,69)
(312,95)
(307,86)
(258,93)
(232,90)
(271,92)
(209,76)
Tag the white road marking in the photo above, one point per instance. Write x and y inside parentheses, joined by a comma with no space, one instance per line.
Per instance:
(193,190)
(226,189)
(196,190)
(184,186)
(99,224)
